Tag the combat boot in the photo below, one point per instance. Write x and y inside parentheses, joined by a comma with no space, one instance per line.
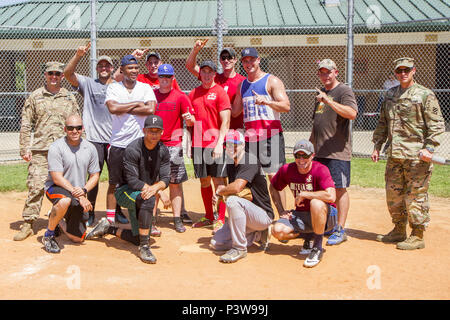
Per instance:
(26,230)
(415,241)
(396,235)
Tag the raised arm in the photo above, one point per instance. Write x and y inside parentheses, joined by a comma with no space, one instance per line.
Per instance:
(191,61)
(69,70)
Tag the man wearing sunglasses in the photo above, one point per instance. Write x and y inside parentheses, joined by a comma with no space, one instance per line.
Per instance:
(43,114)
(314,193)
(71,159)
(411,121)
(229,79)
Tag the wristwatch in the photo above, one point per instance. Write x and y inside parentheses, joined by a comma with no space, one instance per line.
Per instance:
(430,149)
(84,190)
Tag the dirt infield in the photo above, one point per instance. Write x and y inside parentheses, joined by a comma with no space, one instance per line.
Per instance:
(360,268)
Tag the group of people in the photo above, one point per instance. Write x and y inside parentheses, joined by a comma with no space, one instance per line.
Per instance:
(135,123)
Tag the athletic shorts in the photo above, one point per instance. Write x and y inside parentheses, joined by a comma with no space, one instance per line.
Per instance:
(115,165)
(301,222)
(205,165)
(339,170)
(178,172)
(102,151)
(270,152)
(75,217)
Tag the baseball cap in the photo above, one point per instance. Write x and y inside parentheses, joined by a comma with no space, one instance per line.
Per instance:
(305,146)
(165,69)
(249,52)
(128,59)
(235,137)
(208,63)
(153,121)
(154,54)
(327,64)
(54,66)
(230,51)
(104,58)
(404,62)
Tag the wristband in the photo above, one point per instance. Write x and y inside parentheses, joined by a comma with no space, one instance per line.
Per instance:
(84,190)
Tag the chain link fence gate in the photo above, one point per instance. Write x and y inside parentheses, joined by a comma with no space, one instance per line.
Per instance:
(290,36)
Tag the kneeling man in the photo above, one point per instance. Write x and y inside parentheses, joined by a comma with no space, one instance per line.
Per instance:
(314,193)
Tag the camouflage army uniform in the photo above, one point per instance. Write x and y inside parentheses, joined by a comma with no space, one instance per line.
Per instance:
(411,120)
(46,113)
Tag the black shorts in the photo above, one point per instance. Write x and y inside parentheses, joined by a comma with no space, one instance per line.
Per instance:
(301,222)
(102,152)
(205,165)
(75,217)
(270,152)
(115,165)
(339,170)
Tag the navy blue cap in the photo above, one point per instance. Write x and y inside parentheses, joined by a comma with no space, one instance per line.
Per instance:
(165,69)
(128,59)
(249,52)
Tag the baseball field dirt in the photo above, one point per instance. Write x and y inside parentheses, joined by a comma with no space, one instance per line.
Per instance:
(109,268)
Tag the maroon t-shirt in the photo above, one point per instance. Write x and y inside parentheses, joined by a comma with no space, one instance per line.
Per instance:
(318,178)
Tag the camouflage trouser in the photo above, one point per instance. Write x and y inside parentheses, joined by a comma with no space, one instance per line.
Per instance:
(407,184)
(37,174)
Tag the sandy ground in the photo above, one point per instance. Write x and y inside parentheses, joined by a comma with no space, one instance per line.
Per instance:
(109,268)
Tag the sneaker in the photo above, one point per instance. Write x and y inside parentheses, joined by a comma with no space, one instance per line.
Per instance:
(26,230)
(91,219)
(314,258)
(120,218)
(146,254)
(218,224)
(233,255)
(185,218)
(283,241)
(155,231)
(99,230)
(307,247)
(50,244)
(203,222)
(265,238)
(179,227)
(337,237)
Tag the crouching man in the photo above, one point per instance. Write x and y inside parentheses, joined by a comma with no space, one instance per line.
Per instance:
(70,159)
(314,193)
(247,200)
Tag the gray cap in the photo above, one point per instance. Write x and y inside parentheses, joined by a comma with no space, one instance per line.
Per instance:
(208,63)
(153,121)
(154,54)
(305,146)
(104,58)
(230,51)
(327,64)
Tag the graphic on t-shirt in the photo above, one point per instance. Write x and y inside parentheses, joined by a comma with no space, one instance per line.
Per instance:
(321,106)
(211,96)
(254,111)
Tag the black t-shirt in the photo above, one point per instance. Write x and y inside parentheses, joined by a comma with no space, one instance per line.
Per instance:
(249,169)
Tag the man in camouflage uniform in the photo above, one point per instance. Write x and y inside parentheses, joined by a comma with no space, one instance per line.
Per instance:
(412,122)
(45,111)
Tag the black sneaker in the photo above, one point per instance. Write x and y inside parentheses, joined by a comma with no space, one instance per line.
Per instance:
(314,258)
(50,244)
(99,230)
(146,254)
(185,218)
(307,247)
(179,227)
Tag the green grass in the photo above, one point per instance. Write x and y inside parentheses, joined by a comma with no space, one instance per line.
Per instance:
(365,173)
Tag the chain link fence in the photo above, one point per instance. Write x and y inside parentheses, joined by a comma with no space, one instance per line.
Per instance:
(288,51)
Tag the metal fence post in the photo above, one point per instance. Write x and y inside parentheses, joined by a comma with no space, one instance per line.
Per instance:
(349,69)
(219,27)
(94,39)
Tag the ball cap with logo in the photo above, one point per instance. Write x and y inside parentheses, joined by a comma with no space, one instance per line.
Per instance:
(165,70)
(153,121)
(249,52)
(305,146)
(404,62)
(235,137)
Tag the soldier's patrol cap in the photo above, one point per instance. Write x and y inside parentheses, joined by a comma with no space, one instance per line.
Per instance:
(304,145)
(105,58)
(327,64)
(54,66)
(404,62)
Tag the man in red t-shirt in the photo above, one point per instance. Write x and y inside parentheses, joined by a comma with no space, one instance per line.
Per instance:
(173,106)
(212,120)
(314,193)
(229,80)
(153,63)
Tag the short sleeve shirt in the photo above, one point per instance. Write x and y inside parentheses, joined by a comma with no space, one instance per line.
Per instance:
(231,85)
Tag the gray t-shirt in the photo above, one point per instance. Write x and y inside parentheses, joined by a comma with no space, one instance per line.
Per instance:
(74,162)
(97,120)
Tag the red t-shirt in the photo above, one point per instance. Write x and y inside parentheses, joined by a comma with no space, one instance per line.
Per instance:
(170,107)
(231,85)
(318,178)
(207,104)
(154,82)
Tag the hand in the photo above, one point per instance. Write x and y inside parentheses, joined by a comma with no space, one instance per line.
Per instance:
(139,54)
(85,203)
(286,214)
(322,96)
(299,199)
(148,192)
(27,156)
(259,99)
(375,155)
(77,192)
(82,50)
(165,199)
(425,155)
(217,151)
(215,199)
(199,44)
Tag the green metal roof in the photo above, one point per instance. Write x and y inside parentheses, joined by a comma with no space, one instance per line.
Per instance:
(156,18)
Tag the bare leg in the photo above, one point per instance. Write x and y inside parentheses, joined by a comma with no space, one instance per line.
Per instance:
(342,204)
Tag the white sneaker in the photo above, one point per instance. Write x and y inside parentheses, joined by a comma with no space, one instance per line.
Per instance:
(314,258)
(307,247)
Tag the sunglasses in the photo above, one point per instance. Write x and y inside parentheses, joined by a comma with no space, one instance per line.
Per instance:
(70,128)
(54,73)
(302,156)
(405,70)
(223,58)
(167,76)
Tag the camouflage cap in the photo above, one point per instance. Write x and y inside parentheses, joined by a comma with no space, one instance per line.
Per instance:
(404,62)
(327,64)
(54,66)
